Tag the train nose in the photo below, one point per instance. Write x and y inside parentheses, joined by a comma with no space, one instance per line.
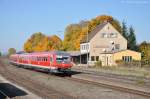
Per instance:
(64,65)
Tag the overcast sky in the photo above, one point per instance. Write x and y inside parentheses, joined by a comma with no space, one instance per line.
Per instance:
(19,19)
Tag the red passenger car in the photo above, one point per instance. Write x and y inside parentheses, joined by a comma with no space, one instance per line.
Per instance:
(55,61)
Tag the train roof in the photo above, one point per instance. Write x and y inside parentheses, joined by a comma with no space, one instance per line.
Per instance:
(48,52)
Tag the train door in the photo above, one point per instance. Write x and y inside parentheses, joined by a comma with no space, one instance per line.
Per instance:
(51,60)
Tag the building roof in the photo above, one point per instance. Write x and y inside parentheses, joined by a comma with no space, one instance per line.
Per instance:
(93,32)
(75,53)
(113,52)
(126,50)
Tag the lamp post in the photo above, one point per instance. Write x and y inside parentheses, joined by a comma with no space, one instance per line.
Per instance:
(80,55)
(86,43)
(87,46)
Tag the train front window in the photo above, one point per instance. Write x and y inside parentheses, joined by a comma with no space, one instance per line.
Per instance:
(62,59)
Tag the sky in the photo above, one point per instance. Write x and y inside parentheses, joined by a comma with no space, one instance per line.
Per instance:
(19,19)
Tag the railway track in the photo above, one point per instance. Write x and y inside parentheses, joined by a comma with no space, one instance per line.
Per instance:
(127,90)
(123,89)
(114,76)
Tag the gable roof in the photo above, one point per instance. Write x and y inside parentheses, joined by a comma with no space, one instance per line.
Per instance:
(93,32)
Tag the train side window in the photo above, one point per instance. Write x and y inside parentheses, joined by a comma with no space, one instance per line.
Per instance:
(45,59)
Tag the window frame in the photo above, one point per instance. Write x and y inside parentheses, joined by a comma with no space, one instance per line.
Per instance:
(92,58)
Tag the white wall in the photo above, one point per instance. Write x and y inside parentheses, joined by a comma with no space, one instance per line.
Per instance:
(84,48)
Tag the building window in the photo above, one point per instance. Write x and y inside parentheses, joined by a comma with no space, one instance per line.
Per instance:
(113,35)
(83,47)
(127,58)
(104,35)
(92,58)
(87,46)
(117,46)
(97,58)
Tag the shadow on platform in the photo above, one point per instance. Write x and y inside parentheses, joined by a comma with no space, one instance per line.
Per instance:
(10,91)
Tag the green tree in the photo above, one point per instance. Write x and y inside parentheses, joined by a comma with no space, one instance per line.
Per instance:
(0,54)
(124,30)
(11,51)
(132,39)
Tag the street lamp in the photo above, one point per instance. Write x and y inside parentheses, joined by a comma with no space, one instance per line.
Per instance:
(87,46)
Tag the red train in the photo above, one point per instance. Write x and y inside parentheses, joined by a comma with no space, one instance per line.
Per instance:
(55,61)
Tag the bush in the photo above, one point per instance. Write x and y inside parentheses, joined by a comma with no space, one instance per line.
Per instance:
(132,63)
(98,63)
(119,62)
(145,62)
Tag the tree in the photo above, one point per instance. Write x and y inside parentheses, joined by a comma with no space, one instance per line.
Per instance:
(144,48)
(0,54)
(34,42)
(11,51)
(72,34)
(55,42)
(132,39)
(40,42)
(28,46)
(124,30)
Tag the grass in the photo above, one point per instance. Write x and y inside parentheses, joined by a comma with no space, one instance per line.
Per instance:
(128,71)
(140,82)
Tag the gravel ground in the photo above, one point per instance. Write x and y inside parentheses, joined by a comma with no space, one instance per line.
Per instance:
(75,89)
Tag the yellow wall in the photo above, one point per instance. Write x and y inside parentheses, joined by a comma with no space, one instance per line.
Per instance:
(135,55)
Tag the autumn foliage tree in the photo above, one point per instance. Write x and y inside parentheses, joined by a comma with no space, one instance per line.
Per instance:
(40,42)
(144,47)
